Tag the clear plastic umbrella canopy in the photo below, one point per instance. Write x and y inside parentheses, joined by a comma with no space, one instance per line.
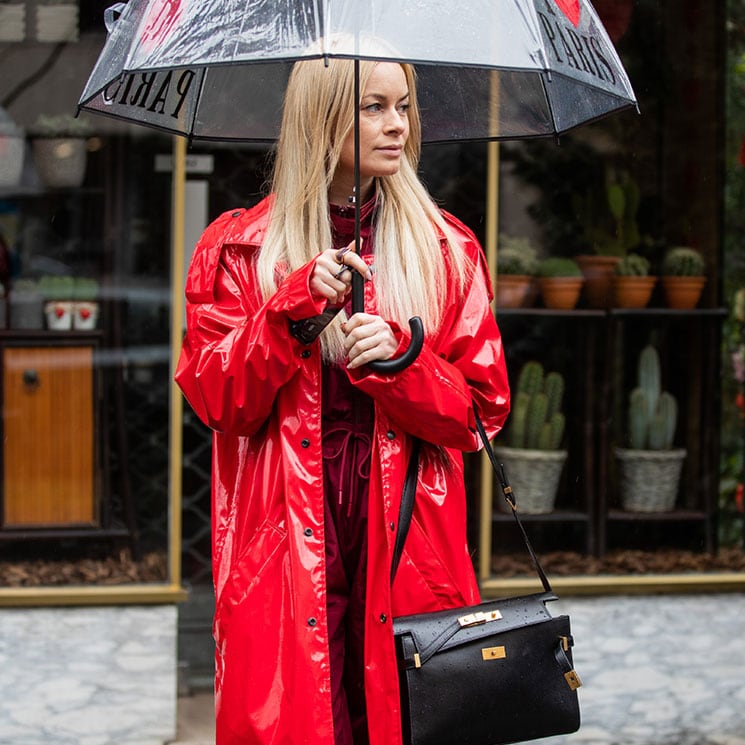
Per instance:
(486,69)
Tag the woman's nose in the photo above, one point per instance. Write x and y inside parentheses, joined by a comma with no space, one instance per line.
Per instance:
(394,120)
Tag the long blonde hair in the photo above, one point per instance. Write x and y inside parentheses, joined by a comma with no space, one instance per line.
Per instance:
(410,269)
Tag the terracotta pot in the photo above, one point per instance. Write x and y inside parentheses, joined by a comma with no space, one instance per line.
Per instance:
(561,293)
(513,290)
(632,292)
(598,274)
(683,292)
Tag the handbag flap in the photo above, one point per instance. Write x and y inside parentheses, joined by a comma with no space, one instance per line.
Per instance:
(431,632)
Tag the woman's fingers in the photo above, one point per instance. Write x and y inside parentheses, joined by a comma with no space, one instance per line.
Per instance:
(368,338)
(332,274)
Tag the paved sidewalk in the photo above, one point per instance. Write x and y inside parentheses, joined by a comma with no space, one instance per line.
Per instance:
(656,670)
(195,720)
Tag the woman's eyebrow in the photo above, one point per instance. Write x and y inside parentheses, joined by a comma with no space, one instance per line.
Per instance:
(383,97)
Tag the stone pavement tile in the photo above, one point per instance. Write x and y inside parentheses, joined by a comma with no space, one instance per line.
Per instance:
(195,720)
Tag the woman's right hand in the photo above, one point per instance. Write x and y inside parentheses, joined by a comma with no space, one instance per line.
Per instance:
(332,275)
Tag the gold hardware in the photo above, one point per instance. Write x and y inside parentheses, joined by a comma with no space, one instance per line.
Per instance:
(565,642)
(417,660)
(573,680)
(493,653)
(478,618)
(507,490)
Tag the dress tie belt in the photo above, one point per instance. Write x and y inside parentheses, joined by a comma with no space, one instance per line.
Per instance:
(353,448)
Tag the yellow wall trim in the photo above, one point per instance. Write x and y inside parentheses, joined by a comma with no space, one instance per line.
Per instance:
(650,584)
(134,594)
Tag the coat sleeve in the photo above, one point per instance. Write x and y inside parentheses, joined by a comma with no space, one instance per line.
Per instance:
(238,352)
(461,366)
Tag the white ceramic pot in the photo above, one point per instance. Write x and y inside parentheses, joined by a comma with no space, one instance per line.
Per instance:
(85,316)
(59,315)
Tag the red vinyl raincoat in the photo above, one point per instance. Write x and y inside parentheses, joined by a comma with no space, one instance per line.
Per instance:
(260,390)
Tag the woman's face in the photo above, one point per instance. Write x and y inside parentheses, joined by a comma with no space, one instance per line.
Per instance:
(384,127)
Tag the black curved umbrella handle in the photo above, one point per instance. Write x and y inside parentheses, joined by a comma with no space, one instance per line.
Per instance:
(415,325)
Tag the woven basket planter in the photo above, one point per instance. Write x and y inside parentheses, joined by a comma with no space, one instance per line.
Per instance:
(649,478)
(534,475)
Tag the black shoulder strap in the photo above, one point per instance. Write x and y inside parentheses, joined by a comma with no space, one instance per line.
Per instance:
(409,492)
(407,506)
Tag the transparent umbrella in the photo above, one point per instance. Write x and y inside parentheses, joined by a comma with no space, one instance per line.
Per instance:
(486,69)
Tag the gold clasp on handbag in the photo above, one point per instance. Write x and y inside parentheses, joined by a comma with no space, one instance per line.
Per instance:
(493,653)
(573,680)
(476,619)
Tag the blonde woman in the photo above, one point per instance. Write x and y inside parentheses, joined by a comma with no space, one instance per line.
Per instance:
(311,445)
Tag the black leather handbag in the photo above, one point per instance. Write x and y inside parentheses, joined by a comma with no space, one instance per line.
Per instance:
(498,672)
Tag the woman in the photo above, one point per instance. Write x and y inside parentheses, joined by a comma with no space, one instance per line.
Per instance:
(310,445)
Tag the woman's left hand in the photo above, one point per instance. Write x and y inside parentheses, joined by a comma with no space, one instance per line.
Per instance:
(368,338)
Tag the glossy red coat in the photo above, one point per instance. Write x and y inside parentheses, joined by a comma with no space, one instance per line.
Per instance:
(259,389)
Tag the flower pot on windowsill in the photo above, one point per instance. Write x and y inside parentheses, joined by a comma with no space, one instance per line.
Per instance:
(632,292)
(59,315)
(683,293)
(534,476)
(648,479)
(598,273)
(561,293)
(513,290)
(85,315)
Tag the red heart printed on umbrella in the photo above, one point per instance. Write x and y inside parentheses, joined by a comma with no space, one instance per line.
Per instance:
(59,312)
(571,9)
(85,313)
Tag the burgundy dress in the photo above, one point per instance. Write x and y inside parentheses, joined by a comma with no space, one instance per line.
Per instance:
(348,419)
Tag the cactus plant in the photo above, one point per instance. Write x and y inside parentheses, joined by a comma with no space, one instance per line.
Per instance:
(652,413)
(537,422)
(516,256)
(633,265)
(683,261)
(557,266)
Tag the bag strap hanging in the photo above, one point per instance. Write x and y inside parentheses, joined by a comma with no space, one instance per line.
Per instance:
(409,493)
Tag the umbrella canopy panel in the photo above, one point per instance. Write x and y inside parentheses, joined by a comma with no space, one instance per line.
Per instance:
(494,69)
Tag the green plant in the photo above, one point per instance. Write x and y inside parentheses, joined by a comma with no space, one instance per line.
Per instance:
(85,289)
(652,412)
(516,256)
(54,287)
(61,125)
(683,261)
(632,265)
(558,266)
(537,422)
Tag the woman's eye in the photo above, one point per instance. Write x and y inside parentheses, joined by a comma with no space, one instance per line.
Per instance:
(404,108)
(373,107)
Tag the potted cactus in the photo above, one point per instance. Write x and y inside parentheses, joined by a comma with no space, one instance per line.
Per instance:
(632,283)
(58,301)
(649,470)
(85,304)
(560,280)
(683,277)
(516,268)
(532,452)
(611,241)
